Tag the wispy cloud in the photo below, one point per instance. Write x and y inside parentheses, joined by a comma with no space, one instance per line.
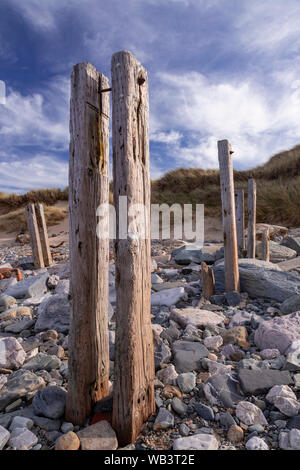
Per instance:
(21,175)
(217,69)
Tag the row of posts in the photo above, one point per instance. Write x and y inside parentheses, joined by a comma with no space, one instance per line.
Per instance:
(234,220)
(133,385)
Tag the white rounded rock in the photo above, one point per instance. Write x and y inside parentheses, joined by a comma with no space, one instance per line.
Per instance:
(283,397)
(256,443)
(196,442)
(12,355)
(213,342)
(250,414)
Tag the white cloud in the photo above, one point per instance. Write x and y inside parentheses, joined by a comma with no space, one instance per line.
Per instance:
(33,173)
(36,119)
(256,121)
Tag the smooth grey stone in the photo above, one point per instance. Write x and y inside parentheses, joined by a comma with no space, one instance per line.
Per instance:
(280,333)
(188,355)
(292,242)
(50,402)
(206,412)
(291,305)
(261,279)
(29,287)
(226,420)
(257,382)
(54,314)
(42,361)
(164,420)
(233,298)
(294,422)
(19,384)
(46,423)
(222,389)
(179,406)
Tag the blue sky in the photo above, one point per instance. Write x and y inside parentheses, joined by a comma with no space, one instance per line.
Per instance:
(217,69)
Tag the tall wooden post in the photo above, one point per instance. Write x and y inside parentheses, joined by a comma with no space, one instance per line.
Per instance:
(231,267)
(33,229)
(42,227)
(265,244)
(134,357)
(89,255)
(240,218)
(251,238)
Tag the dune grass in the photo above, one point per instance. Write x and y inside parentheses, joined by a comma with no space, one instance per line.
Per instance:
(278,188)
(15,221)
(278,192)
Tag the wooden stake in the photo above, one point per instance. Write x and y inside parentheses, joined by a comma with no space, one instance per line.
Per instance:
(228,210)
(208,281)
(240,218)
(33,229)
(42,227)
(251,238)
(265,245)
(134,357)
(89,255)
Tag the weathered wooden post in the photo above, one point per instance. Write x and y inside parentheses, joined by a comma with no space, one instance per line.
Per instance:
(208,281)
(42,227)
(265,244)
(134,358)
(251,238)
(33,229)
(231,268)
(240,218)
(89,255)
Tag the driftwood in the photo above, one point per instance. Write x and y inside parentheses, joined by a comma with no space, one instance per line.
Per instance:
(134,356)
(228,215)
(88,188)
(35,241)
(208,281)
(251,238)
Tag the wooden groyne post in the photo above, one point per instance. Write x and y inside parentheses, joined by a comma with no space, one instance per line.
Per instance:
(231,268)
(34,234)
(251,237)
(240,218)
(134,357)
(43,233)
(89,255)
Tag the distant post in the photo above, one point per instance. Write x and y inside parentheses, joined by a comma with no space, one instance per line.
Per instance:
(208,281)
(266,244)
(134,357)
(231,268)
(240,218)
(89,255)
(33,229)
(42,227)
(251,238)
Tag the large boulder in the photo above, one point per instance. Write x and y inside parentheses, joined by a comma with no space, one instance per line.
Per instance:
(18,385)
(293,243)
(196,317)
(54,314)
(50,402)
(278,252)
(188,355)
(281,333)
(196,253)
(29,287)
(291,305)
(12,355)
(261,279)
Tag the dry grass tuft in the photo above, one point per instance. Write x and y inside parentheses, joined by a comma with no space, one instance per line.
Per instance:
(15,221)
